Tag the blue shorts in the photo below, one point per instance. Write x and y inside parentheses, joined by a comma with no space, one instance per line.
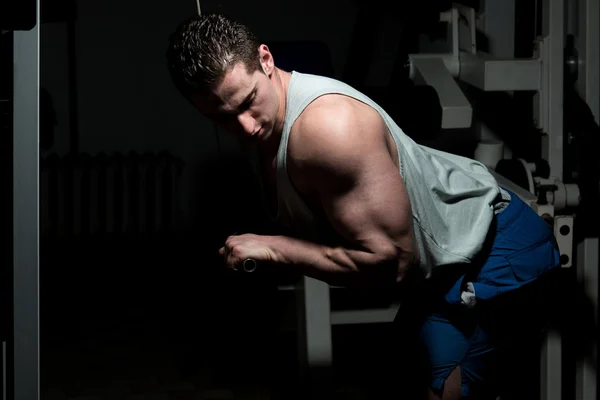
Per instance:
(510,302)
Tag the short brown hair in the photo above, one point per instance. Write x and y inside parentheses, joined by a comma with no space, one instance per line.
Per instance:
(204,47)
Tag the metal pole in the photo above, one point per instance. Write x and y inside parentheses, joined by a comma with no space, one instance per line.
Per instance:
(587,274)
(499,27)
(551,98)
(588,84)
(313,313)
(586,42)
(550,120)
(25,343)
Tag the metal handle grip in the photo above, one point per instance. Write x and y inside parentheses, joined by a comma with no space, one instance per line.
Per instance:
(249,265)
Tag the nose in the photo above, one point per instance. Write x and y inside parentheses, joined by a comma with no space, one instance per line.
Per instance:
(247,123)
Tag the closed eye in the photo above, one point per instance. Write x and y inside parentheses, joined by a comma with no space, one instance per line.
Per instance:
(228,116)
(243,107)
(222,118)
(247,102)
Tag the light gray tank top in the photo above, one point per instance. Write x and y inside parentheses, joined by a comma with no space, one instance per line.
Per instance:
(453,198)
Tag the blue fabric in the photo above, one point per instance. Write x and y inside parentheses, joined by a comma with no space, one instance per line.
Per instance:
(450,344)
(522,249)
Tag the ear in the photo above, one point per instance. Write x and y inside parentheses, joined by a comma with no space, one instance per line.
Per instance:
(266,59)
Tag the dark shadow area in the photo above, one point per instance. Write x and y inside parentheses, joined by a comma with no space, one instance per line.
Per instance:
(150,311)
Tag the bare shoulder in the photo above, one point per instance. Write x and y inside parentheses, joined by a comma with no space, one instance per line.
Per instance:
(335,126)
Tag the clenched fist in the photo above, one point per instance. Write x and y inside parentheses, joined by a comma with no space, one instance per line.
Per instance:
(239,248)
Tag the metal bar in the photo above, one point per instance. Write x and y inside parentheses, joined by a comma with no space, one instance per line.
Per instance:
(550,120)
(367,316)
(452,63)
(552,87)
(499,27)
(551,371)
(563,231)
(456,109)
(588,86)
(497,20)
(587,275)
(587,44)
(314,331)
(25,345)
(490,74)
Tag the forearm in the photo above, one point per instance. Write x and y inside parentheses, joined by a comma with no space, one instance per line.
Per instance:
(336,265)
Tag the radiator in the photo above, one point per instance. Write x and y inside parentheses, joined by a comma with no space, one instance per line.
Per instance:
(119,194)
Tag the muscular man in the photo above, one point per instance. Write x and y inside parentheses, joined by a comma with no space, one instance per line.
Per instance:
(366,204)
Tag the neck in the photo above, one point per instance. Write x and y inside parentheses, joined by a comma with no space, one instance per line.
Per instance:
(281,81)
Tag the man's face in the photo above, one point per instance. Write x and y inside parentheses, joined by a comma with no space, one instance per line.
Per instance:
(244,104)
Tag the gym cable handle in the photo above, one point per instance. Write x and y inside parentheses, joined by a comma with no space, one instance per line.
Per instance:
(249,265)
